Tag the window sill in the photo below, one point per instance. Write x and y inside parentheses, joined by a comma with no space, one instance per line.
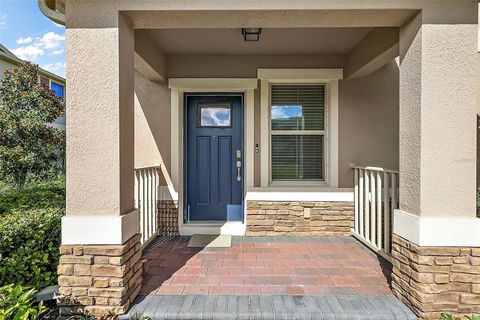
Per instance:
(291,193)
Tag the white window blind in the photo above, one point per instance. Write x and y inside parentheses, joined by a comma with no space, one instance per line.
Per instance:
(297,132)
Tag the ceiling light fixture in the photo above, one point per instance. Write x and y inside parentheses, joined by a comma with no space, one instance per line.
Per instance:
(251,34)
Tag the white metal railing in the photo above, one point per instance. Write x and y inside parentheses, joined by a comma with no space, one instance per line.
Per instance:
(146,196)
(376,196)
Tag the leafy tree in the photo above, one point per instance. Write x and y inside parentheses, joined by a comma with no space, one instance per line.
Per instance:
(29,145)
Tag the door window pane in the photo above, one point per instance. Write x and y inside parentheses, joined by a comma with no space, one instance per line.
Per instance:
(214,115)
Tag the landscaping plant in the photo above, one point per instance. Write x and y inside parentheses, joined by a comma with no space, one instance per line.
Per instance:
(447,316)
(29,144)
(17,303)
(478,203)
(29,252)
(38,195)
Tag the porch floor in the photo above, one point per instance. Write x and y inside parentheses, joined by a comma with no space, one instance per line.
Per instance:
(336,272)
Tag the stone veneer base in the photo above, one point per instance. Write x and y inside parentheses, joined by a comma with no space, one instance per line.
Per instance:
(99,279)
(167,218)
(432,280)
(293,218)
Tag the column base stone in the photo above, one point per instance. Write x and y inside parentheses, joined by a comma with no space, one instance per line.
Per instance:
(99,279)
(433,280)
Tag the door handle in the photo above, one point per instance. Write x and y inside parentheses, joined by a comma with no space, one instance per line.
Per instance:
(239,175)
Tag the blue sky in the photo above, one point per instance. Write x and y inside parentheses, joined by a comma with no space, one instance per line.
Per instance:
(285,112)
(31,36)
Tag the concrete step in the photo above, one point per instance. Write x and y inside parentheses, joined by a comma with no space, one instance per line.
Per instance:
(268,307)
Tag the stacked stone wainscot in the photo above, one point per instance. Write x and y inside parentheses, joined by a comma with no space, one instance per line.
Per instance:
(293,218)
(168,218)
(99,279)
(432,280)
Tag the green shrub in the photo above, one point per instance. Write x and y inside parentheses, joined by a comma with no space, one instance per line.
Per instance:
(478,203)
(29,246)
(447,316)
(37,195)
(16,303)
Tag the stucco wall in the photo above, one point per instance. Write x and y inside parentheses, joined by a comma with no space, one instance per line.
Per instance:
(243,66)
(368,122)
(152,123)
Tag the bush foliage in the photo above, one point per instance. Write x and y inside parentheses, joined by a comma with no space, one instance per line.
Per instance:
(478,203)
(39,195)
(447,316)
(16,303)
(28,142)
(30,234)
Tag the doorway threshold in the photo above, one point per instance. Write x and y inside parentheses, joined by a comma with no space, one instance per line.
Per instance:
(232,228)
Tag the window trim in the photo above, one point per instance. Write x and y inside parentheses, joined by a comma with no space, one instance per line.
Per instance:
(328,77)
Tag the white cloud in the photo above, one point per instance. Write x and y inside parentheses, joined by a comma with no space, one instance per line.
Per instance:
(3,22)
(278,113)
(30,52)
(50,40)
(56,67)
(218,117)
(24,40)
(50,43)
(286,112)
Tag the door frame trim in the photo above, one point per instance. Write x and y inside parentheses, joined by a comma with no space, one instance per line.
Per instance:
(178,86)
(186,95)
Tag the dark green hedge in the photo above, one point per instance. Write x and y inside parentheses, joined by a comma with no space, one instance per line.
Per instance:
(30,221)
(37,195)
(29,247)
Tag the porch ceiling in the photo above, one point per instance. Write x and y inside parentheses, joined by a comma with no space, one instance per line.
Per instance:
(272,40)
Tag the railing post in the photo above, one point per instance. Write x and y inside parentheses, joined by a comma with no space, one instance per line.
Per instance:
(394,201)
(367,205)
(355,194)
(373,205)
(379,211)
(386,212)
(360,202)
(145,204)
(156,198)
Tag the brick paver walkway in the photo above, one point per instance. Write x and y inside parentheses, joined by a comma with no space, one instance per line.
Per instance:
(266,266)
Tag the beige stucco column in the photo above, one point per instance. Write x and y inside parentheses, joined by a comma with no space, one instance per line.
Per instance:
(100,271)
(436,233)
(438,104)
(100,135)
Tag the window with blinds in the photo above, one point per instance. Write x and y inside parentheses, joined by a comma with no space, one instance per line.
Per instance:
(297,132)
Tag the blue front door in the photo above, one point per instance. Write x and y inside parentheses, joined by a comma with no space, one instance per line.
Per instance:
(214,157)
